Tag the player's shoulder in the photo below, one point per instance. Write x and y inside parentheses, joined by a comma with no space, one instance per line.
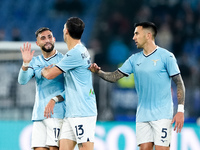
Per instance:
(81,45)
(80,48)
(165,52)
(136,55)
(77,51)
(59,54)
(36,58)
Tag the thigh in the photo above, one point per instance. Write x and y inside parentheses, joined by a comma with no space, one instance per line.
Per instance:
(67,131)
(162,132)
(84,129)
(53,127)
(144,133)
(38,135)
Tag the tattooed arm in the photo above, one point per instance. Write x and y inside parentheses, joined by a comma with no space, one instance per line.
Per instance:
(108,76)
(179,117)
(180,88)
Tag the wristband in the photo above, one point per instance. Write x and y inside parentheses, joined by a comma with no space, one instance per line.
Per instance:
(180,108)
(25,64)
(55,99)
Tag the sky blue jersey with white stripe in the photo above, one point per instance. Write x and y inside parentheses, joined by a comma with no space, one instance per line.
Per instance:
(45,89)
(152,75)
(79,94)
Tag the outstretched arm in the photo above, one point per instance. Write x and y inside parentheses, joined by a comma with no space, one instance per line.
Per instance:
(111,76)
(108,76)
(179,117)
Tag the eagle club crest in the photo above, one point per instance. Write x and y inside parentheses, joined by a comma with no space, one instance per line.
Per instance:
(155,62)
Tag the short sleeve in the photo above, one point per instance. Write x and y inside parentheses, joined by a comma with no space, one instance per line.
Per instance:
(71,60)
(171,65)
(127,67)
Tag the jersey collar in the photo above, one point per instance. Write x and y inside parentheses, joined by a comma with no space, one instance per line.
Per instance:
(47,59)
(151,52)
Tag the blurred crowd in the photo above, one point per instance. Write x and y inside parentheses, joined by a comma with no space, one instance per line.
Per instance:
(20,19)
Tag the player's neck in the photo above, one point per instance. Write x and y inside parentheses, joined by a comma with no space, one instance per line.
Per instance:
(48,54)
(149,48)
(71,43)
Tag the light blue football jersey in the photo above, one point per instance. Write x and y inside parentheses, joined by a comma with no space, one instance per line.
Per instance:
(79,94)
(152,75)
(45,89)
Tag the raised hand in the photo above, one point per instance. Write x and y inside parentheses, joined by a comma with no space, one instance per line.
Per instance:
(27,54)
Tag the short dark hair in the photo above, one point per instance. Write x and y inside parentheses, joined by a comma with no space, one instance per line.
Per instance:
(40,30)
(148,25)
(75,27)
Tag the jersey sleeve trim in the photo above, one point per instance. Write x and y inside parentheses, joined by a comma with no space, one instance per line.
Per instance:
(60,68)
(30,67)
(174,75)
(123,73)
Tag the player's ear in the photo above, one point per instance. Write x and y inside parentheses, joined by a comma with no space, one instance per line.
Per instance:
(149,35)
(66,31)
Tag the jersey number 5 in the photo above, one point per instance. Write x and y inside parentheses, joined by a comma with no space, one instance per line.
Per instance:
(164,131)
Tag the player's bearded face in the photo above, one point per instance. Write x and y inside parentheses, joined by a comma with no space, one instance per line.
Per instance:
(48,47)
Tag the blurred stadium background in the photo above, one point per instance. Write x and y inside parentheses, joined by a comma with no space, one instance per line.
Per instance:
(108,35)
